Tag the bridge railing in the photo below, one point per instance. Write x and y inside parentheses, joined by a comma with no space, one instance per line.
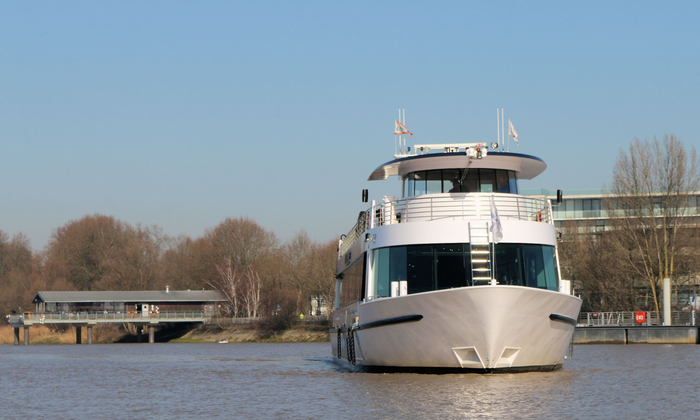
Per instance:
(112,316)
(626,318)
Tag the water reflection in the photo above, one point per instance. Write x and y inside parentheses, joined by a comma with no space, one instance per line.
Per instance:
(298,381)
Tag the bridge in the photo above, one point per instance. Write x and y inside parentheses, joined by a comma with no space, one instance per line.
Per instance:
(144,310)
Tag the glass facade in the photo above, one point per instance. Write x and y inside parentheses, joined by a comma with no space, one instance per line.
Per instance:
(575,208)
(455,180)
(446,266)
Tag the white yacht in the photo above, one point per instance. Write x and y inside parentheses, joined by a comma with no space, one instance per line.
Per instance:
(459,274)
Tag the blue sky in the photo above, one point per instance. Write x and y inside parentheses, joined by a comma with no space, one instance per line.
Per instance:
(181,114)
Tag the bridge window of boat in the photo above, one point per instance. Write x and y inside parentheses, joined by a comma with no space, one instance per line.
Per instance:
(446,266)
(455,180)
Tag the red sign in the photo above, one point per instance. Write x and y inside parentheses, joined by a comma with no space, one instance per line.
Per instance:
(640,317)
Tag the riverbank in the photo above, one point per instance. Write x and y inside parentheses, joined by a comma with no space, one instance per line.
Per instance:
(210,333)
(300,333)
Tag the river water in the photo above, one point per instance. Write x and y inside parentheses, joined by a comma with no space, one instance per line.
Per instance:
(298,381)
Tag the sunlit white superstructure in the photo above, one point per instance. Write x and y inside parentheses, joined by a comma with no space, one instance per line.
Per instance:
(461,273)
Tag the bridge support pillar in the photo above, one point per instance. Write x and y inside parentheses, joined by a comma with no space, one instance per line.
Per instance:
(26,336)
(89,334)
(138,333)
(16,335)
(151,334)
(78,334)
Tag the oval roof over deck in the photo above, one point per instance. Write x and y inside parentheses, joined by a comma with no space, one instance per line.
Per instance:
(526,166)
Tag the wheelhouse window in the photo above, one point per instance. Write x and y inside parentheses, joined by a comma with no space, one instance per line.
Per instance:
(459,181)
(446,266)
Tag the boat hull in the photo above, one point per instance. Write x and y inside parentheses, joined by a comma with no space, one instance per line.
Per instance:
(481,328)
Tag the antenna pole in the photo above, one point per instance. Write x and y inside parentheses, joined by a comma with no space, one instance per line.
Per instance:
(498,128)
(404,123)
(400,143)
(503,126)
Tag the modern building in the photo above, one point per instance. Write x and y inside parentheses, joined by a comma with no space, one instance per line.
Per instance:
(585,208)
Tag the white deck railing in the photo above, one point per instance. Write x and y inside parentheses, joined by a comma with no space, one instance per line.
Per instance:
(462,206)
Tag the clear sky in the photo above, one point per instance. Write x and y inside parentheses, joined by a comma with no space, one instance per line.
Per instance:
(181,114)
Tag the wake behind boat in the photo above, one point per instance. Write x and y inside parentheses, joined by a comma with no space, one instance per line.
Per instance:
(459,274)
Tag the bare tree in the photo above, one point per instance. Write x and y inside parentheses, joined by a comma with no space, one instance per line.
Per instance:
(648,201)
(598,266)
(18,272)
(228,281)
(251,297)
(242,248)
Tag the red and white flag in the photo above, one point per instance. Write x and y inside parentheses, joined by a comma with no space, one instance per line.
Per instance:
(512,132)
(401,129)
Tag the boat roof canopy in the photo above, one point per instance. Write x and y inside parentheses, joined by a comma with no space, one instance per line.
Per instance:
(526,166)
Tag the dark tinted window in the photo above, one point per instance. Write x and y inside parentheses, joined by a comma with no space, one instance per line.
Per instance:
(445,266)
(456,180)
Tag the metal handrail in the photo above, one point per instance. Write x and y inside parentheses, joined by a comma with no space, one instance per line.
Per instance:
(360,227)
(108,315)
(459,206)
(626,318)
(463,206)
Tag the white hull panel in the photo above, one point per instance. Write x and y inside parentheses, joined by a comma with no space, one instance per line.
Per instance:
(482,327)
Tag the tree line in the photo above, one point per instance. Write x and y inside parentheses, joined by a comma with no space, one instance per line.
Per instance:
(257,272)
(651,232)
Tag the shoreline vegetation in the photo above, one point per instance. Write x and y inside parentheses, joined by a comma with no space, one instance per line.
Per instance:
(209,333)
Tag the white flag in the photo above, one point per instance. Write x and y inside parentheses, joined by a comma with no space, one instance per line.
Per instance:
(401,129)
(512,132)
(496,227)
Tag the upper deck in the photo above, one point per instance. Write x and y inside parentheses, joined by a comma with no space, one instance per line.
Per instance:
(460,206)
(458,181)
(459,156)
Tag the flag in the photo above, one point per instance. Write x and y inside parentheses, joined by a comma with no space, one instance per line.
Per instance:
(401,129)
(512,132)
(496,227)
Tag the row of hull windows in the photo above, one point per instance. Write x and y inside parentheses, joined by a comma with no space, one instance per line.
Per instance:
(455,181)
(446,266)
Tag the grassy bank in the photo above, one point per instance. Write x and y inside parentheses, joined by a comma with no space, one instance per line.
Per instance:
(301,332)
(210,333)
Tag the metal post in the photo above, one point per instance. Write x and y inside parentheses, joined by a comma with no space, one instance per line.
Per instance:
(667,301)
(78,334)
(695,302)
(151,334)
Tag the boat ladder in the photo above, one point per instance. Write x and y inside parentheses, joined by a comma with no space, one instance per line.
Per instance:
(480,253)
